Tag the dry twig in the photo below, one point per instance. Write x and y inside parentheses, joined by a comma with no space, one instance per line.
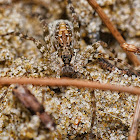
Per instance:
(134,127)
(116,34)
(69,82)
(32,104)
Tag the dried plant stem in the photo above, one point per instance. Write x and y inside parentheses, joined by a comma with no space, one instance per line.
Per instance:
(69,82)
(33,105)
(134,127)
(116,33)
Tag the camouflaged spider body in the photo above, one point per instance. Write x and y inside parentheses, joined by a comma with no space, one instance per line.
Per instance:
(63,35)
(62,38)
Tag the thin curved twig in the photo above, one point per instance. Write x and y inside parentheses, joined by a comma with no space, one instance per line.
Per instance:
(135,123)
(69,82)
(127,47)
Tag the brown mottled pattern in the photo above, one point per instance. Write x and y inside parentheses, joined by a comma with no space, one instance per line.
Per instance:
(32,104)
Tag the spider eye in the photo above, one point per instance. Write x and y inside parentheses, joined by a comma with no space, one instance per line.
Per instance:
(60,45)
(70,43)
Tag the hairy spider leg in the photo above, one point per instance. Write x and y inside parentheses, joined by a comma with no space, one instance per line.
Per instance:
(37,42)
(102,60)
(75,22)
(44,24)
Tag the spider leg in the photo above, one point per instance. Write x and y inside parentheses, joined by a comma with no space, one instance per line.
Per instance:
(102,60)
(37,42)
(75,22)
(44,24)
(108,66)
(46,35)
(74,15)
(4,94)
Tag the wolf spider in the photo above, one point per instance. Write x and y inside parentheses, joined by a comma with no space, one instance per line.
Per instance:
(63,36)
